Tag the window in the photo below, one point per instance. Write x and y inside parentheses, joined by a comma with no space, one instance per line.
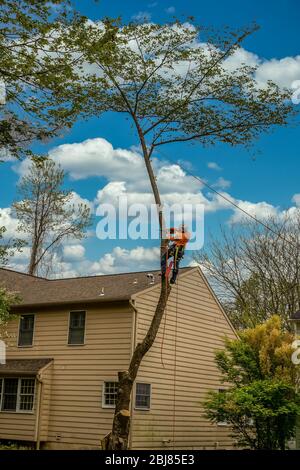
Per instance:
(26,330)
(76,328)
(142,396)
(26,394)
(110,390)
(221,420)
(10,394)
(17,394)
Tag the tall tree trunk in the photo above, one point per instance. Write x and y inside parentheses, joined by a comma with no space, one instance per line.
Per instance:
(33,257)
(118,438)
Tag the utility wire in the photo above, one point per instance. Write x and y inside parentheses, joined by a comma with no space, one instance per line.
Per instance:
(237,206)
(240,208)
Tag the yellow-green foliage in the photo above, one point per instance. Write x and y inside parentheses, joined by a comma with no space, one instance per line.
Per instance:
(262,402)
(7,299)
(273,346)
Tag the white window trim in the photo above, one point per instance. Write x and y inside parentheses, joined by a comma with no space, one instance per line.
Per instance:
(18,396)
(1,395)
(33,332)
(104,405)
(143,408)
(68,331)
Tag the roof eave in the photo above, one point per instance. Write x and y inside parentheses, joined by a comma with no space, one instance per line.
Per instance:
(19,307)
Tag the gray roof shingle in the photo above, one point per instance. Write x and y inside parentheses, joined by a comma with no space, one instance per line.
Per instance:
(23,366)
(40,291)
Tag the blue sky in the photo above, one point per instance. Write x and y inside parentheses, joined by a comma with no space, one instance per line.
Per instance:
(268,173)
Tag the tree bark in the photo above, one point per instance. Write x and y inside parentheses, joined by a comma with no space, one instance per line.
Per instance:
(119,436)
(33,256)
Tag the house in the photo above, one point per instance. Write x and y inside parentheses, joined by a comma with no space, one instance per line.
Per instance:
(70,337)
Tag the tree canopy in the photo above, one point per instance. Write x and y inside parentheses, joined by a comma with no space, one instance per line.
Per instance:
(174,81)
(41,72)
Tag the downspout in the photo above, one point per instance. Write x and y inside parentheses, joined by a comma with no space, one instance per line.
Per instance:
(38,411)
(39,405)
(133,343)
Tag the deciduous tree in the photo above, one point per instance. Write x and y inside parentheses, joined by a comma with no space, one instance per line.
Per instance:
(47,213)
(262,402)
(173,83)
(256,269)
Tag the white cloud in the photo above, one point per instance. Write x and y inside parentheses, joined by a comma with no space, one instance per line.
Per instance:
(122,260)
(6,156)
(73,252)
(22,168)
(97,157)
(22,256)
(172,178)
(213,166)
(222,183)
(142,17)
(296,199)
(10,222)
(77,200)
(170,10)
(126,175)
(260,210)
(239,58)
(117,261)
(281,71)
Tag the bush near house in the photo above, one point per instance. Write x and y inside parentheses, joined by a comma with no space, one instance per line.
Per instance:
(10,445)
(261,403)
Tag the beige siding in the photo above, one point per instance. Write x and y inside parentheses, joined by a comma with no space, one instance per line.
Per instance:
(74,414)
(181,368)
(17,426)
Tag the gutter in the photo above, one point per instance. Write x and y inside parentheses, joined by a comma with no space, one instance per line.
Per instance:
(133,343)
(19,308)
(39,405)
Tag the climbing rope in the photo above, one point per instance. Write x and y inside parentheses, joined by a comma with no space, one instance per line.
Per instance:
(165,317)
(175,365)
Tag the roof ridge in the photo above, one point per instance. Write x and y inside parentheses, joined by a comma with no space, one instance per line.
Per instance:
(23,274)
(111,275)
(104,275)
(87,277)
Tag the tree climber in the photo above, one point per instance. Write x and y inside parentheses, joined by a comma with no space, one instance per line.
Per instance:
(178,238)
